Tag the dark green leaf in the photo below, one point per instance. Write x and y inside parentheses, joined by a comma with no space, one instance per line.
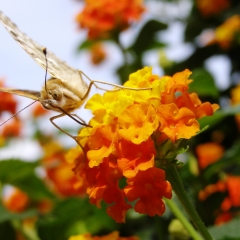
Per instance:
(218,116)
(203,83)
(85,45)
(7,232)
(230,157)
(146,37)
(22,175)
(5,215)
(196,60)
(70,214)
(226,231)
(125,70)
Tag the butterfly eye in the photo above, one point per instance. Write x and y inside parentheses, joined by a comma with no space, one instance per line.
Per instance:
(56,95)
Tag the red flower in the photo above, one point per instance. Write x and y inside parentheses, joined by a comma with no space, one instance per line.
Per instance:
(149,187)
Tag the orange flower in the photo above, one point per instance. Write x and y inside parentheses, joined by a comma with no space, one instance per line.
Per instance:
(112,236)
(233,184)
(126,137)
(100,144)
(39,110)
(8,102)
(233,199)
(177,123)
(225,33)
(235,100)
(45,206)
(59,173)
(235,95)
(12,128)
(207,157)
(220,186)
(230,186)
(98,53)
(17,201)
(133,158)
(212,7)
(192,102)
(223,218)
(102,17)
(149,183)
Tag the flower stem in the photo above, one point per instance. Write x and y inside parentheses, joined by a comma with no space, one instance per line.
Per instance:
(178,213)
(176,182)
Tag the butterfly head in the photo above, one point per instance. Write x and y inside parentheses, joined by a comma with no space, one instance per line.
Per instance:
(55,96)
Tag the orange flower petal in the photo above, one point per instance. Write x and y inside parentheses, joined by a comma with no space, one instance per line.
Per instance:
(100,144)
(149,187)
(233,184)
(17,201)
(118,211)
(177,123)
(133,158)
(207,157)
(192,102)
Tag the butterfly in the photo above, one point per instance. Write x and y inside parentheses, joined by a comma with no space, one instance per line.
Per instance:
(66,91)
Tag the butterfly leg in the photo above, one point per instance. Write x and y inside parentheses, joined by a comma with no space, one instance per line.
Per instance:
(93,82)
(75,115)
(73,137)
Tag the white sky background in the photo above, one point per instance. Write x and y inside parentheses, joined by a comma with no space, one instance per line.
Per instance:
(52,24)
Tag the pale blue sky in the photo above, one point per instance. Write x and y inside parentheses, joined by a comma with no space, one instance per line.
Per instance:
(51,23)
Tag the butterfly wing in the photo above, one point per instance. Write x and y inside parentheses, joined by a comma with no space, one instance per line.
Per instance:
(24,93)
(57,68)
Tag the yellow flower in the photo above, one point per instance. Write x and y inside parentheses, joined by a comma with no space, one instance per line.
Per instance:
(225,33)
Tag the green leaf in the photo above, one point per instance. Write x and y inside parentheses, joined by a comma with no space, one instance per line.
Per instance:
(226,231)
(125,70)
(7,232)
(22,175)
(69,214)
(203,83)
(196,60)
(88,43)
(146,37)
(195,26)
(85,45)
(219,116)
(230,157)
(5,215)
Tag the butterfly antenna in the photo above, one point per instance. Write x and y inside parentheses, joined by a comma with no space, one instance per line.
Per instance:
(45,54)
(18,113)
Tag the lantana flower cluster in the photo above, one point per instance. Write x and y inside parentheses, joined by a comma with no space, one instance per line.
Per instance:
(102,17)
(212,7)
(227,33)
(59,176)
(127,146)
(228,185)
